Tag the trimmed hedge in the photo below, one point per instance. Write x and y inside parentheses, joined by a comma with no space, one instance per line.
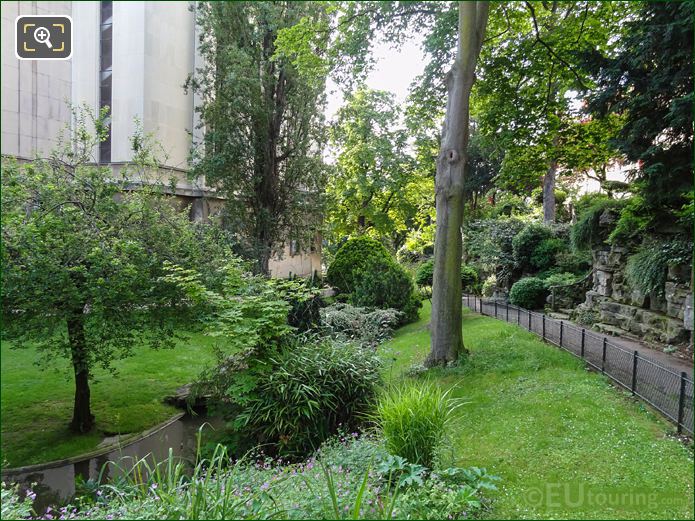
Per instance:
(425,273)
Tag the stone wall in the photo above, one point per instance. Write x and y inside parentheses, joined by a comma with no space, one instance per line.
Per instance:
(622,310)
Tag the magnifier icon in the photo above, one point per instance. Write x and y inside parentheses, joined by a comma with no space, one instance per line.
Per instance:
(42,35)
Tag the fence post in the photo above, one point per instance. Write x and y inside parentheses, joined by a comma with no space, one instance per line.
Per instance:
(518,317)
(543,320)
(634,371)
(561,328)
(529,320)
(495,309)
(603,357)
(583,335)
(681,402)
(506,305)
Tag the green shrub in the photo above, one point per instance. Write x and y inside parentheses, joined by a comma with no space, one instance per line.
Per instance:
(413,418)
(573,261)
(647,269)
(425,273)
(527,241)
(529,292)
(304,300)
(385,284)
(587,231)
(560,279)
(544,255)
(293,399)
(489,286)
(354,256)
(469,278)
(365,326)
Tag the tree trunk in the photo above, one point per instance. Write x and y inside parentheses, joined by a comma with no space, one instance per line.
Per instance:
(82,417)
(445,327)
(549,193)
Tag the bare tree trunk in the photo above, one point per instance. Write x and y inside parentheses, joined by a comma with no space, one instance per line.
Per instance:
(549,193)
(446,335)
(82,417)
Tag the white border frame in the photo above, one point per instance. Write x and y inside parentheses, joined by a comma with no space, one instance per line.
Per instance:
(72,30)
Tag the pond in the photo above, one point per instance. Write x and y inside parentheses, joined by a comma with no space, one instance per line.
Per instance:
(54,482)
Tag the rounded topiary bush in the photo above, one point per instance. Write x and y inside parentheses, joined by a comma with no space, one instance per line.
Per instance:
(528,293)
(386,284)
(353,256)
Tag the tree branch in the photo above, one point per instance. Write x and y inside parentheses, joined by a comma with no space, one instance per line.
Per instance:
(550,50)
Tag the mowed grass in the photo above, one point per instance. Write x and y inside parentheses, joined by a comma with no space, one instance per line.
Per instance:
(37,403)
(566,443)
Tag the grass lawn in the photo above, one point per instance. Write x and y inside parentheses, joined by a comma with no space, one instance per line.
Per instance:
(37,403)
(565,442)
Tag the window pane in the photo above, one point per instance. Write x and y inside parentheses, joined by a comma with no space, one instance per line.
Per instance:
(105,54)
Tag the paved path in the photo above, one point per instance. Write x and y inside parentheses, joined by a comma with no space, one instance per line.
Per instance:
(672,362)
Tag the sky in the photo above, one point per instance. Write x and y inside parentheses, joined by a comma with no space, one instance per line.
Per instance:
(394,71)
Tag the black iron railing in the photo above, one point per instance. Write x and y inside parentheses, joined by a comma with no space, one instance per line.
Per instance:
(664,389)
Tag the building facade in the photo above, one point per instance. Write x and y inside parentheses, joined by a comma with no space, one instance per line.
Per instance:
(134,58)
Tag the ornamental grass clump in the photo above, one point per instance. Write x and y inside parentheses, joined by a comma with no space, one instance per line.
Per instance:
(413,419)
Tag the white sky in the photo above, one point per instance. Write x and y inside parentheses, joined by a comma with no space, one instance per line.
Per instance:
(394,71)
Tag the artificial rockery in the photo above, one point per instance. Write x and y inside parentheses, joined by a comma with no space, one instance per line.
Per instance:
(643,291)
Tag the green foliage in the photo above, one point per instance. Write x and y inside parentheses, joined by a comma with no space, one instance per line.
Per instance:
(413,419)
(364,268)
(647,79)
(588,232)
(526,242)
(632,223)
(529,293)
(489,246)
(385,284)
(452,493)
(573,261)
(350,477)
(354,256)
(545,254)
(365,326)
(489,286)
(376,187)
(469,278)
(646,270)
(83,256)
(294,396)
(12,506)
(560,279)
(271,173)
(424,274)
(304,299)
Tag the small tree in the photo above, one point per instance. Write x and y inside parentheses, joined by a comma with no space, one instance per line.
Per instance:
(83,253)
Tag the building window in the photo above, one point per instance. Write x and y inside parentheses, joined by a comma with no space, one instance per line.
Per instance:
(105,74)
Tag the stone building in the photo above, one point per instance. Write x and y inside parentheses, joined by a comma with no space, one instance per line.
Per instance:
(134,58)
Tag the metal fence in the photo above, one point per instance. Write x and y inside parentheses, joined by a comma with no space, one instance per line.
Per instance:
(662,388)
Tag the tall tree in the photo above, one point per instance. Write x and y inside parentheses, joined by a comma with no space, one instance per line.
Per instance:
(649,83)
(263,120)
(370,189)
(83,258)
(446,335)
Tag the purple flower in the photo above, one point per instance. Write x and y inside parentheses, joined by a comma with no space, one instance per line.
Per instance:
(265,486)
